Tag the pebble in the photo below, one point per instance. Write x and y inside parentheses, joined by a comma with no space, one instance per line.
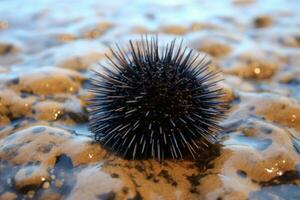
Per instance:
(30,176)
(46,185)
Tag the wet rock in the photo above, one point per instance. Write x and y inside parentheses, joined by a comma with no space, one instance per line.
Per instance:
(276,108)
(251,67)
(48,110)
(12,106)
(3,24)
(50,81)
(29,177)
(196,26)
(78,55)
(291,40)
(50,194)
(99,182)
(75,109)
(214,48)
(8,48)
(65,37)
(8,196)
(140,30)
(27,146)
(96,30)
(216,45)
(174,29)
(262,21)
(229,93)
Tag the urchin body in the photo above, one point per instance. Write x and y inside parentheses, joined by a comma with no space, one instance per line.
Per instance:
(156,103)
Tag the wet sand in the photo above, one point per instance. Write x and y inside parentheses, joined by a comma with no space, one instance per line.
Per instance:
(47,49)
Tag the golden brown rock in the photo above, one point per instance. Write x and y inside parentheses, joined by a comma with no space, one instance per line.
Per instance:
(50,81)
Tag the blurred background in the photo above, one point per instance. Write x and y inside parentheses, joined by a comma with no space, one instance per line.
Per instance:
(30,29)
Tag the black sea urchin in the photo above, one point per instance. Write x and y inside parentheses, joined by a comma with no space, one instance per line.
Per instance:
(153,102)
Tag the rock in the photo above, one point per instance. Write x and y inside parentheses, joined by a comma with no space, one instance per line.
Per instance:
(216,45)
(13,106)
(31,176)
(196,26)
(253,67)
(50,81)
(77,55)
(290,40)
(99,182)
(50,194)
(262,21)
(48,110)
(65,37)
(214,48)
(30,194)
(174,29)
(46,185)
(8,48)
(8,196)
(228,90)
(96,30)
(33,143)
(275,108)
(3,24)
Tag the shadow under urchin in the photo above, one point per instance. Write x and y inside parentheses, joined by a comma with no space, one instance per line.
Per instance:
(152,102)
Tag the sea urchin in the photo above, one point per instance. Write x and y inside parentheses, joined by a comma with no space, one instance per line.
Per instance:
(153,102)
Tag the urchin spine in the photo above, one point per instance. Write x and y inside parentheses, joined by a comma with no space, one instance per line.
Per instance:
(152,102)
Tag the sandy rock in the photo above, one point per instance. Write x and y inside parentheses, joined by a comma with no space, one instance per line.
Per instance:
(8,196)
(229,92)
(100,184)
(33,143)
(48,110)
(50,80)
(290,40)
(174,29)
(31,176)
(79,55)
(238,84)
(96,30)
(50,195)
(214,48)
(13,106)
(275,108)
(65,37)
(196,26)
(216,45)
(263,21)
(8,48)
(253,67)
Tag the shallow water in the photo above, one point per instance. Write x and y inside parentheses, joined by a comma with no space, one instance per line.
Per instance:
(46,49)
